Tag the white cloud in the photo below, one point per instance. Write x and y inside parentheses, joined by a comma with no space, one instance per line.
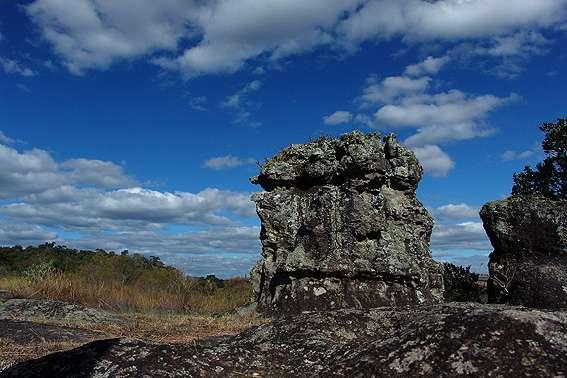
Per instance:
(259,71)
(510,155)
(520,44)
(337,118)
(466,235)
(24,234)
(16,68)
(241,104)
(438,117)
(417,20)
(35,171)
(4,139)
(93,34)
(27,172)
(42,198)
(135,207)
(453,107)
(237,239)
(89,34)
(429,66)
(228,161)
(434,160)
(392,88)
(105,174)
(457,211)
(516,155)
(277,29)
(238,99)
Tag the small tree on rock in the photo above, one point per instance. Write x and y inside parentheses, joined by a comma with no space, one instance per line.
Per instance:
(549,178)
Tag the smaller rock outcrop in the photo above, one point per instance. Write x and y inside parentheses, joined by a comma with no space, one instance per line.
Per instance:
(342,228)
(529,263)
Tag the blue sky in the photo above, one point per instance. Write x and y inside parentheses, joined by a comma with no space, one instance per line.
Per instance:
(136,124)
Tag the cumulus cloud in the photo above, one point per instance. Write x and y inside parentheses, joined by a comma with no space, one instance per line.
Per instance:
(228,161)
(418,20)
(35,171)
(434,160)
(429,66)
(457,211)
(4,139)
(409,101)
(392,88)
(105,174)
(135,207)
(235,239)
(93,34)
(442,117)
(24,234)
(46,200)
(466,235)
(14,67)
(276,29)
(337,118)
(89,34)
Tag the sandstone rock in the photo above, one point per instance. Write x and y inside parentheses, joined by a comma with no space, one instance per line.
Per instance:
(342,228)
(529,262)
(435,341)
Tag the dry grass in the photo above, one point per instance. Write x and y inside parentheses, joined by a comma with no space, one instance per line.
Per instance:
(153,303)
(179,295)
(12,353)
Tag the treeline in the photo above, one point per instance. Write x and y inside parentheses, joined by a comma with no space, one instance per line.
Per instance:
(116,281)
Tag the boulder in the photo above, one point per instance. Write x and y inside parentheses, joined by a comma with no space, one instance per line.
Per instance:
(342,228)
(529,263)
(435,341)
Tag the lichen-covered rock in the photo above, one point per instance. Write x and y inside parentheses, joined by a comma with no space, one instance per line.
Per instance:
(529,262)
(342,228)
(35,309)
(434,341)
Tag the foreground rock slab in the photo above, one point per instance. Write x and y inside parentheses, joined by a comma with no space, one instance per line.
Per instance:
(342,228)
(529,263)
(436,341)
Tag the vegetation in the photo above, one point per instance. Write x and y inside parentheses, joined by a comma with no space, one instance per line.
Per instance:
(549,178)
(118,282)
(461,285)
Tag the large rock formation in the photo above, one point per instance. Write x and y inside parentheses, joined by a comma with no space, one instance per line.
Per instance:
(529,262)
(434,341)
(342,228)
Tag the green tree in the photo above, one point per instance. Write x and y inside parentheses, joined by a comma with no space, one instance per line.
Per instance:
(462,285)
(549,178)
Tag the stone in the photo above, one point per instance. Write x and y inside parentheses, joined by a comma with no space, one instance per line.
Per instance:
(529,263)
(342,228)
(445,340)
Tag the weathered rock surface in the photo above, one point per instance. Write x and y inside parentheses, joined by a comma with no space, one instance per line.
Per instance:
(436,341)
(529,263)
(34,310)
(342,228)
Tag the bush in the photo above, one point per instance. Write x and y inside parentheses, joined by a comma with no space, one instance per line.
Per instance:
(461,285)
(40,272)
